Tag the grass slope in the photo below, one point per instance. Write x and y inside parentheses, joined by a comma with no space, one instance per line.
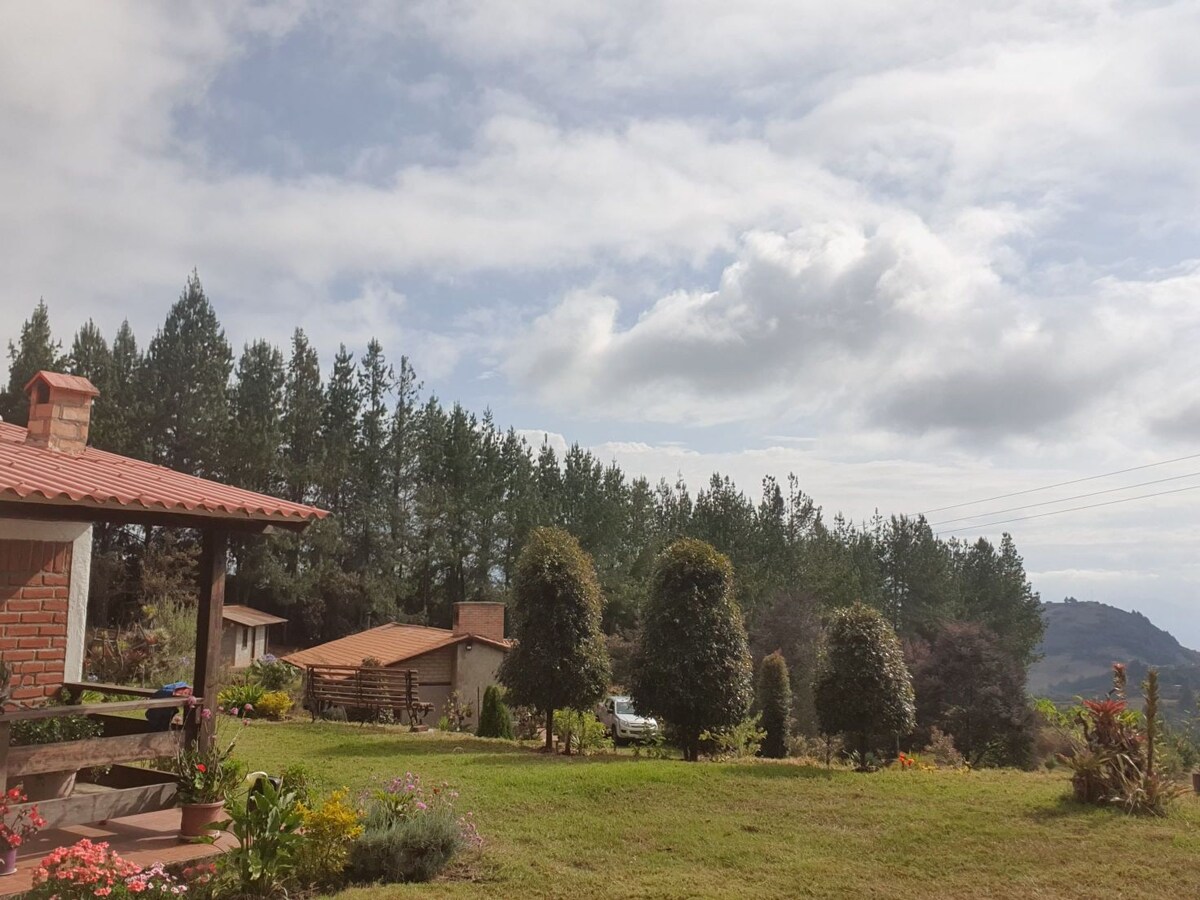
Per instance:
(623,827)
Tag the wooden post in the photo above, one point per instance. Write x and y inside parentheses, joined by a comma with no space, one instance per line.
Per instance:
(208,635)
(5,737)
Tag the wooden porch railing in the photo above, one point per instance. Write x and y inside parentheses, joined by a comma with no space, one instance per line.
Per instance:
(122,790)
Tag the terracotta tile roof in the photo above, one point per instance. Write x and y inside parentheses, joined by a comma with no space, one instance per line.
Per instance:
(390,644)
(67,382)
(248,615)
(100,480)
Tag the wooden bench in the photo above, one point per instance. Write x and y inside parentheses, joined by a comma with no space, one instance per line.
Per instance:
(366,688)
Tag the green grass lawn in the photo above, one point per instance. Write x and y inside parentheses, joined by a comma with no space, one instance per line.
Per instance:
(623,827)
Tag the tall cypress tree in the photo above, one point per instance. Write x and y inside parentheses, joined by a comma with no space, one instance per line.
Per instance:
(187,386)
(35,350)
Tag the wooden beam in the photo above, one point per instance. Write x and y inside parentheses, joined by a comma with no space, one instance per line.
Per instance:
(84,709)
(94,752)
(214,549)
(81,512)
(100,806)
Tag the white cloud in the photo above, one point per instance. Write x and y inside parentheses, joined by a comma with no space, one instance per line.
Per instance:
(889,324)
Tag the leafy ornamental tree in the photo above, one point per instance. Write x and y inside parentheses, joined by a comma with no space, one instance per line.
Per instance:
(970,688)
(774,702)
(692,667)
(495,720)
(863,687)
(559,660)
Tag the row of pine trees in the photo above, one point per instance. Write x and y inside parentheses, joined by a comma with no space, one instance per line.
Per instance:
(432,502)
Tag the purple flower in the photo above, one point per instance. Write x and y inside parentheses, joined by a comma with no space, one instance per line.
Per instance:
(206,714)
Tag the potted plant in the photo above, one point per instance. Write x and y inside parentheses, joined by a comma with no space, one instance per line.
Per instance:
(15,827)
(204,779)
(52,785)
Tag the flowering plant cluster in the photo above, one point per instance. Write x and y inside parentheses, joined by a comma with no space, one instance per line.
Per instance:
(87,870)
(206,775)
(15,827)
(405,798)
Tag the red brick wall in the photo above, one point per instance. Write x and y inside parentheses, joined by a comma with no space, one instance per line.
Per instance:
(483,619)
(35,579)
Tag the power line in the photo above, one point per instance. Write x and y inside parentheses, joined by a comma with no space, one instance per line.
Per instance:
(1128,487)
(1165,462)
(1074,509)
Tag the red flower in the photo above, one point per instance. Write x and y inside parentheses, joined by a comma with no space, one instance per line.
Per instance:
(201,767)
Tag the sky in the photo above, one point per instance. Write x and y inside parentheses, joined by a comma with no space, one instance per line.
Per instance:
(920,254)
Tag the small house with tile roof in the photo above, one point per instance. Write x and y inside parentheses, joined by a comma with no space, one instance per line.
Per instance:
(465,658)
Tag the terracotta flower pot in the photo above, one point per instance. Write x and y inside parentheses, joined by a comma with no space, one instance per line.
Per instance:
(8,860)
(197,819)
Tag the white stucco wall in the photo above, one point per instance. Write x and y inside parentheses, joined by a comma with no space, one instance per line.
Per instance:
(474,670)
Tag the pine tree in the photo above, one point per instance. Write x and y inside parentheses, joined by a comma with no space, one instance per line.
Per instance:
(186,388)
(692,665)
(774,702)
(91,358)
(34,351)
(495,721)
(252,457)
(303,402)
(339,434)
(124,414)
(559,660)
(863,689)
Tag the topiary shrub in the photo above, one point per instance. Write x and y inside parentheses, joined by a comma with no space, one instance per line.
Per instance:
(863,687)
(774,703)
(495,721)
(559,660)
(692,666)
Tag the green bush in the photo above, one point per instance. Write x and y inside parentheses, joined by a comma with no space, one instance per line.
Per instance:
(735,742)
(414,849)
(237,697)
(273,705)
(774,702)
(495,721)
(273,674)
(297,779)
(580,731)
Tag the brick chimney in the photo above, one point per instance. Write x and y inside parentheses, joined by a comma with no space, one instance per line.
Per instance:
(60,410)
(482,619)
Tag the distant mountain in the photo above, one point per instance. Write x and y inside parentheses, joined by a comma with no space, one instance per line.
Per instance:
(1084,638)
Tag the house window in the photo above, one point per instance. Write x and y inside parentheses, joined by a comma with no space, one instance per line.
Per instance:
(245,638)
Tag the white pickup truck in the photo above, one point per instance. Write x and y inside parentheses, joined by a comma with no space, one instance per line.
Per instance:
(622,722)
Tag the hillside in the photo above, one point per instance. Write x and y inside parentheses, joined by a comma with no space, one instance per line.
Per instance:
(1084,638)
